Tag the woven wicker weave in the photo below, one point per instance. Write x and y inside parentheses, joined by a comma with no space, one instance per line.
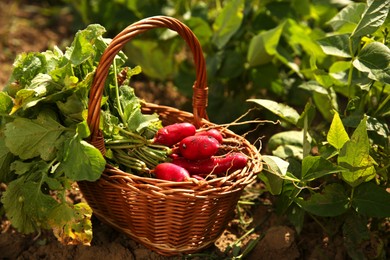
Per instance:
(168,217)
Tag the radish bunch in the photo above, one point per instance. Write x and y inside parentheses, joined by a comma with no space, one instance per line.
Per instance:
(196,153)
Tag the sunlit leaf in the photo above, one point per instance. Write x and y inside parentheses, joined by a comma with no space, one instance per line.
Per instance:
(348,18)
(355,157)
(227,22)
(336,45)
(337,136)
(276,169)
(28,138)
(282,110)
(263,46)
(82,161)
(373,18)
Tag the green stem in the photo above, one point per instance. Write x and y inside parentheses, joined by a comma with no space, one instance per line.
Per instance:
(130,134)
(120,110)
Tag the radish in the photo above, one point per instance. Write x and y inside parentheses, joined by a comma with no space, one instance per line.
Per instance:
(216,165)
(213,133)
(172,134)
(198,147)
(171,172)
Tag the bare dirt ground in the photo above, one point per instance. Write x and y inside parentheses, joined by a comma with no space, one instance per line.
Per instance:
(24,28)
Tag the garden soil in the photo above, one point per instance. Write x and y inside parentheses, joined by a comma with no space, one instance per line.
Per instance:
(23,28)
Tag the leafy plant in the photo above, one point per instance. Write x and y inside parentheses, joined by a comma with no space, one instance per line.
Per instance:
(342,173)
(43,132)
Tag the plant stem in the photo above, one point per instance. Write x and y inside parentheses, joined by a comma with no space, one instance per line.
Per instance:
(120,110)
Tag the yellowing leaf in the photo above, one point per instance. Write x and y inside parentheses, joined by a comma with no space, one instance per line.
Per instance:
(337,136)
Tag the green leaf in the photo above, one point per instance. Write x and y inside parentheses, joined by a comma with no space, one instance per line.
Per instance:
(314,167)
(201,29)
(284,111)
(272,177)
(355,157)
(85,43)
(82,161)
(227,22)
(26,206)
(374,59)
(28,138)
(288,151)
(348,18)
(6,103)
(326,103)
(26,67)
(6,157)
(263,46)
(291,137)
(371,200)
(154,58)
(337,136)
(336,45)
(331,202)
(372,19)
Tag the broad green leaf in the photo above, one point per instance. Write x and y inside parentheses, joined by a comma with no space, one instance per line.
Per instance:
(331,202)
(6,157)
(288,151)
(227,22)
(284,111)
(337,136)
(291,137)
(154,58)
(373,18)
(299,34)
(348,18)
(201,29)
(6,103)
(326,103)
(374,59)
(85,43)
(339,71)
(263,46)
(336,45)
(323,78)
(26,67)
(28,138)
(354,156)
(276,168)
(371,200)
(26,206)
(314,167)
(82,161)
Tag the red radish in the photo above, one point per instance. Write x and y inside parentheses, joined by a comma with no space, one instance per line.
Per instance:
(172,134)
(171,172)
(216,165)
(212,132)
(198,147)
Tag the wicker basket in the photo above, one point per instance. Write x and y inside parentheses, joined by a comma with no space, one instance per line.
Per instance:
(170,218)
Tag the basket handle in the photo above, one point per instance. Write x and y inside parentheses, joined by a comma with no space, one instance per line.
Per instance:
(200,89)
